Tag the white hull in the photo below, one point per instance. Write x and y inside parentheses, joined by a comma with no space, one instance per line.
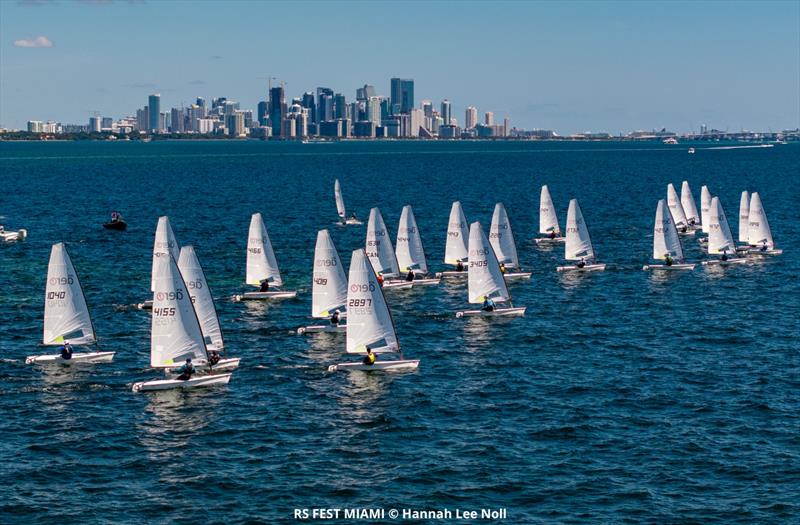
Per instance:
(516,275)
(664,267)
(759,251)
(719,262)
(55,359)
(169,384)
(264,296)
(400,364)
(497,312)
(453,273)
(397,284)
(587,268)
(226,364)
(322,328)
(9,236)
(350,222)
(147,305)
(689,231)
(548,240)
(426,281)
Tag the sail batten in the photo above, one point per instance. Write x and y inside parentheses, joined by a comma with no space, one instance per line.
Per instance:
(329,288)
(66,315)
(456,249)
(261,261)
(705,207)
(369,322)
(502,238)
(484,278)
(379,247)
(409,249)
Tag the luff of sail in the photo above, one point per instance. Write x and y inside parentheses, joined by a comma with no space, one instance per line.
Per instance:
(665,235)
(676,208)
(744,217)
(578,243)
(502,238)
(548,221)
(409,249)
(66,316)
(329,288)
(261,262)
(720,239)
(175,333)
(196,283)
(369,322)
(165,244)
(337,192)
(705,207)
(485,278)
(689,207)
(455,249)
(379,247)
(758,232)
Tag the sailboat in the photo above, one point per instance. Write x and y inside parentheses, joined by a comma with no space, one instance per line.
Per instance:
(485,278)
(340,209)
(455,249)
(329,286)
(705,206)
(502,240)
(381,254)
(369,322)
(720,239)
(548,221)
(11,236)
(165,244)
(66,316)
(196,283)
(744,223)
(175,333)
(409,250)
(677,212)
(578,246)
(262,265)
(759,235)
(689,206)
(666,242)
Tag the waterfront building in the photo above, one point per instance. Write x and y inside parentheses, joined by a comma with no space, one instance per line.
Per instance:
(277,109)
(446,112)
(402,95)
(488,118)
(35,126)
(154,113)
(471,117)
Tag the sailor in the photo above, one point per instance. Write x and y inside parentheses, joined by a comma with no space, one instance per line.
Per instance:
(335,318)
(488,304)
(581,263)
(502,268)
(692,222)
(380,278)
(264,285)
(684,229)
(213,358)
(459,266)
(764,246)
(66,351)
(185,371)
(552,234)
(353,216)
(409,275)
(724,257)
(370,358)
(668,259)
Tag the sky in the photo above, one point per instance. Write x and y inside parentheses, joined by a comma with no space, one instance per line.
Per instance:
(568,66)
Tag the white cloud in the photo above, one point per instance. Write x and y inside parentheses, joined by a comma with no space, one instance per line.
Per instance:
(39,41)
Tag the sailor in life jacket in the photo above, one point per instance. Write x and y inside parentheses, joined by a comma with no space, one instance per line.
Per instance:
(369,359)
(264,285)
(335,318)
(213,358)
(66,351)
(185,371)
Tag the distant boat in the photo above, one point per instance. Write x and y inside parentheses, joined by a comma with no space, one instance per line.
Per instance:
(759,234)
(116,223)
(720,239)
(666,242)
(691,150)
(262,266)
(548,220)
(676,210)
(578,246)
(455,249)
(689,206)
(11,236)
(502,240)
(340,209)
(670,140)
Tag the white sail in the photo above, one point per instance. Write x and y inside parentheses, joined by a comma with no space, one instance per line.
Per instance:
(675,207)
(66,316)
(744,217)
(501,237)
(578,244)
(689,207)
(665,235)
(409,250)
(261,262)
(329,289)
(720,239)
(457,236)
(705,207)
(548,221)
(165,244)
(485,278)
(369,322)
(196,283)
(379,246)
(758,232)
(175,331)
(337,192)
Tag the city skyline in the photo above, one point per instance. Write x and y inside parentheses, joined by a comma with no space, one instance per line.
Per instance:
(568,67)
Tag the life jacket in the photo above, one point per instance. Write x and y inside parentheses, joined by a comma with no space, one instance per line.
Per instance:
(371,359)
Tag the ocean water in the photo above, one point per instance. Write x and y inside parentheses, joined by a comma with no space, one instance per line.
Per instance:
(621,397)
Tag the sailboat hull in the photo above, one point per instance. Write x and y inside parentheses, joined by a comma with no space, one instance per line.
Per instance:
(224,365)
(321,328)
(400,364)
(147,305)
(170,384)
(497,312)
(587,268)
(426,282)
(14,236)
(718,262)
(402,285)
(664,267)
(548,240)
(56,359)
(264,296)
(452,273)
(516,275)
(759,251)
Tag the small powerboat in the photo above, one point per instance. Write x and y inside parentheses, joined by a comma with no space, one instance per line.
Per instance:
(116,222)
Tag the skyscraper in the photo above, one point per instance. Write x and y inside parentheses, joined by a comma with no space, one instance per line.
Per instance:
(339,106)
(324,104)
(489,118)
(402,94)
(374,110)
(262,113)
(471,117)
(154,112)
(308,103)
(364,93)
(446,112)
(277,109)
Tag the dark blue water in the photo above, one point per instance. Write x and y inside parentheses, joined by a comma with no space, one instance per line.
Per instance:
(620,397)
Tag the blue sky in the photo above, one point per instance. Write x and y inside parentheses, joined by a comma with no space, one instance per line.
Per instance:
(568,66)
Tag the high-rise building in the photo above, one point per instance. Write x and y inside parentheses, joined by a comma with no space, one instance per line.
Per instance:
(402,95)
(364,93)
(324,104)
(471,117)
(339,106)
(107,123)
(446,112)
(417,121)
(427,108)
(277,109)
(95,124)
(506,127)
(262,113)
(488,118)
(234,123)
(154,112)
(143,119)
(176,123)
(374,110)
(310,105)
(201,102)
(35,126)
